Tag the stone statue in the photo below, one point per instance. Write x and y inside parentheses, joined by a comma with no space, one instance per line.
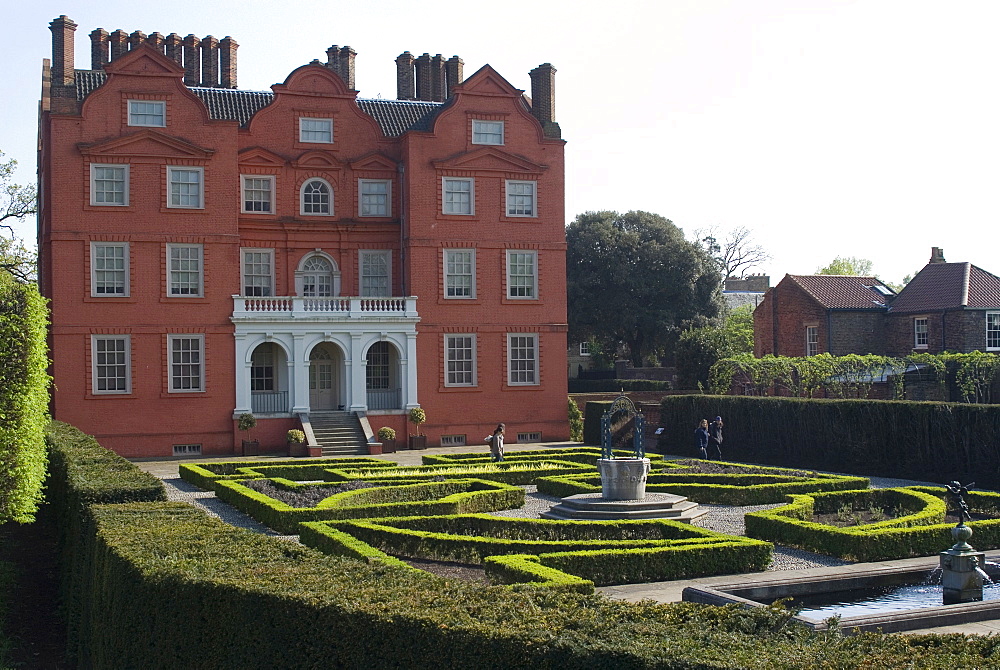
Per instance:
(955,492)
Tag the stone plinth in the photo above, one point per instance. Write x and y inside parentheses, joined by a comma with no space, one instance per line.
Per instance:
(623,478)
(961,569)
(590,506)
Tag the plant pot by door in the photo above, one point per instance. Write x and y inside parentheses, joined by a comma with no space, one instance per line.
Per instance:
(298,449)
(418,441)
(388,446)
(251,447)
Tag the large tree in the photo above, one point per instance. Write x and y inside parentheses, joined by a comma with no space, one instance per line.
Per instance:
(698,349)
(633,279)
(17,201)
(847,265)
(736,253)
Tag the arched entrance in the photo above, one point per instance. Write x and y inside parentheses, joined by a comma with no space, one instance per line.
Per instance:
(325,378)
(268,379)
(382,378)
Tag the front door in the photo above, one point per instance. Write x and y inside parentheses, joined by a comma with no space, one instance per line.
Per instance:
(322,379)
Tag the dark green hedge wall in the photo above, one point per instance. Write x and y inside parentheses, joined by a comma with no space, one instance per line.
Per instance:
(926,441)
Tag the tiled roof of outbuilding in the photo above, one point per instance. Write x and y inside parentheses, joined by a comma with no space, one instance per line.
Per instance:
(395,117)
(844,291)
(941,286)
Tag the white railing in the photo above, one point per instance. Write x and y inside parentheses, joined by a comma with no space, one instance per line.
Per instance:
(385,399)
(252,307)
(269,401)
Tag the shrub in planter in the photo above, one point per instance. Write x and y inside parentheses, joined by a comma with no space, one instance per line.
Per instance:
(296,440)
(246,423)
(417,417)
(387,436)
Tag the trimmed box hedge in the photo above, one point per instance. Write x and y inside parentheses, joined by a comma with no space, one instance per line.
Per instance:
(920,533)
(456,496)
(758,488)
(515,472)
(204,475)
(582,455)
(604,552)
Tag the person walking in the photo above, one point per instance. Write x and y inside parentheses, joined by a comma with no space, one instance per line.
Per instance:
(715,439)
(496,443)
(701,438)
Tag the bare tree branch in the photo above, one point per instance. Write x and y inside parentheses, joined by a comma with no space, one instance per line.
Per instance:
(736,254)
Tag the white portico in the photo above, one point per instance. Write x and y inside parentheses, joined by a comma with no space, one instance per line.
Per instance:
(301,354)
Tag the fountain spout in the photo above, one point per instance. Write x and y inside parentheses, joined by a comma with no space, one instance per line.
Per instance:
(961,566)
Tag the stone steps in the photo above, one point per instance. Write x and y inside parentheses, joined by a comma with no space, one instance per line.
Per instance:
(338,433)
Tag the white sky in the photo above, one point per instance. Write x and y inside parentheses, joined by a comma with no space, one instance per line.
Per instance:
(828,127)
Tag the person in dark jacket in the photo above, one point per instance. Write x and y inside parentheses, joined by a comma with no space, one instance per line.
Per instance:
(715,439)
(701,438)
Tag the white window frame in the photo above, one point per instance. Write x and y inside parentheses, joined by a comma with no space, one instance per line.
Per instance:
(96,364)
(585,348)
(267,179)
(322,132)
(995,330)
(174,199)
(264,290)
(448,274)
(447,207)
(172,380)
(362,254)
(148,119)
(513,202)
(534,380)
(812,340)
(124,271)
(482,133)
(94,191)
(171,284)
(511,253)
(920,333)
(302,197)
(362,195)
(451,365)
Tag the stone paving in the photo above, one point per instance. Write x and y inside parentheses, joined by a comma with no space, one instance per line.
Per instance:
(723,519)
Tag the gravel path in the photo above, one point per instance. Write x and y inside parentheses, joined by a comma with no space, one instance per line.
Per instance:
(720,518)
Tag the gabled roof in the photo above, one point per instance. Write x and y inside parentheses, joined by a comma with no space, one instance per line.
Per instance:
(844,291)
(944,286)
(395,117)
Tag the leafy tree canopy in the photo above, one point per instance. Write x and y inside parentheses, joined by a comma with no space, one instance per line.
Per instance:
(849,265)
(633,278)
(698,349)
(16,203)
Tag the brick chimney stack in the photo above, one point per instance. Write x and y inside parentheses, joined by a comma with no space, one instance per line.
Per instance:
(423,67)
(227,62)
(341,61)
(119,44)
(937,255)
(100,49)
(63,67)
(543,98)
(174,48)
(438,84)
(136,38)
(210,62)
(405,82)
(192,60)
(453,72)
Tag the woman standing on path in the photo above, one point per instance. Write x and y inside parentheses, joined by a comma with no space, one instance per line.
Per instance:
(496,444)
(701,438)
(715,438)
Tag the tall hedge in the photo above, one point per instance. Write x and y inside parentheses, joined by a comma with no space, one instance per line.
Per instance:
(24,385)
(927,441)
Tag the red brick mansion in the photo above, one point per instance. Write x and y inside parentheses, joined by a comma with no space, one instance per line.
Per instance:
(210,251)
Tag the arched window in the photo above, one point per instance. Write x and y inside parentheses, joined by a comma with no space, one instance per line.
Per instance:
(316,198)
(317,277)
(377,371)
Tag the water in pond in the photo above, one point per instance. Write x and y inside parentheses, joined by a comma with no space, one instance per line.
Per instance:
(877,600)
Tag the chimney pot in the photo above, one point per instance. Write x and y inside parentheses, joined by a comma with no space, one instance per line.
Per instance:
(937,255)
(99,49)
(210,62)
(405,81)
(453,74)
(543,98)
(63,66)
(227,62)
(119,44)
(136,38)
(192,60)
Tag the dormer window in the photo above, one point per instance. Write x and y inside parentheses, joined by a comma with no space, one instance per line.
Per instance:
(487,132)
(151,113)
(316,130)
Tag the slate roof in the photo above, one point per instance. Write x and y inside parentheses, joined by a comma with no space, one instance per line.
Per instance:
(945,286)
(395,117)
(843,291)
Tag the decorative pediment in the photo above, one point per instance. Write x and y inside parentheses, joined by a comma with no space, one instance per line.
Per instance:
(317,160)
(489,160)
(374,161)
(487,81)
(259,156)
(151,143)
(144,60)
(314,79)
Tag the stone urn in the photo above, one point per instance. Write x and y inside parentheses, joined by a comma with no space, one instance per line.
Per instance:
(623,478)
